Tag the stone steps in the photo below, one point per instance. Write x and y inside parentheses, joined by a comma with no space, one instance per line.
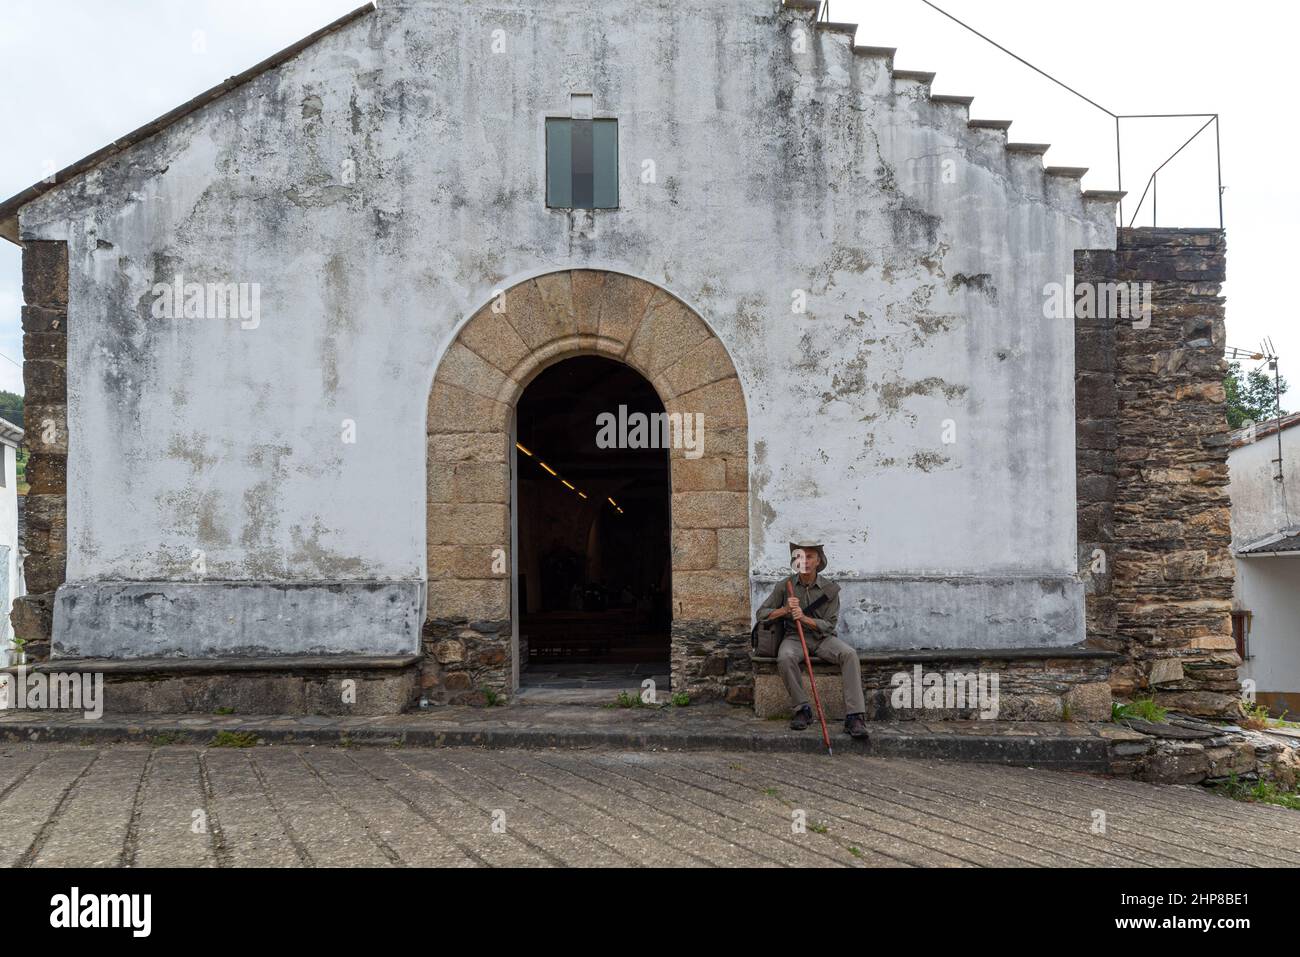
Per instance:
(1074,747)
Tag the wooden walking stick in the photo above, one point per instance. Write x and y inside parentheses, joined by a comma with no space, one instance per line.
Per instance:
(812,679)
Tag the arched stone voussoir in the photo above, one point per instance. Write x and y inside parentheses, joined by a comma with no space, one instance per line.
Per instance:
(668,332)
(623,303)
(453,409)
(490,335)
(556,290)
(722,403)
(535,317)
(551,352)
(703,364)
(465,369)
(587,287)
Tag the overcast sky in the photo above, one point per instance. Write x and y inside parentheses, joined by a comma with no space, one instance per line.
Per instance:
(77,74)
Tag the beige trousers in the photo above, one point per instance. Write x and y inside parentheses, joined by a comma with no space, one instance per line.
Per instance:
(789,663)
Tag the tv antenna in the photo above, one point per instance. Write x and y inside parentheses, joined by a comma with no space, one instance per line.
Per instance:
(1267,354)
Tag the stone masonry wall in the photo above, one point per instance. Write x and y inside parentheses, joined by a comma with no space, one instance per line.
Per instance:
(1154,536)
(1031,686)
(45,351)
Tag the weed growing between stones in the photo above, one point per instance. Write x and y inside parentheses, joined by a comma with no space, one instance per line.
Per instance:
(234,739)
(1261,792)
(1144,708)
(1255,717)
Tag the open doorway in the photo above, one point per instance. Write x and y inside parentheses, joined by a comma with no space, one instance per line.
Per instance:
(594,543)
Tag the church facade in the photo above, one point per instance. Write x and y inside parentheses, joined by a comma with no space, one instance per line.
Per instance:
(284,336)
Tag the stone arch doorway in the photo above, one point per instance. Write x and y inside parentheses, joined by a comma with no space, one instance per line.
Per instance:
(472,624)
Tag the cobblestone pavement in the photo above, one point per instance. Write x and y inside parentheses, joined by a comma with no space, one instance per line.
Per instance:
(303,806)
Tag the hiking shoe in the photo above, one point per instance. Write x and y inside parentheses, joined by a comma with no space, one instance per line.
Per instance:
(802,718)
(856,725)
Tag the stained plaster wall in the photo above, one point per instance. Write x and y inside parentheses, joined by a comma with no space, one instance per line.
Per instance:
(384,183)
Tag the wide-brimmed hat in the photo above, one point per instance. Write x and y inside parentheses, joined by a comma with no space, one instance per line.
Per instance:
(821,554)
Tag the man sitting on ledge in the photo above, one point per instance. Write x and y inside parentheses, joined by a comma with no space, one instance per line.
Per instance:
(821,598)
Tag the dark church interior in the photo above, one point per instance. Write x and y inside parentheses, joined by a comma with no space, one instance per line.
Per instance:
(594,540)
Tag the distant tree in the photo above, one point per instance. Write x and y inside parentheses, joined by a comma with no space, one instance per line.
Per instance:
(1252,397)
(11,408)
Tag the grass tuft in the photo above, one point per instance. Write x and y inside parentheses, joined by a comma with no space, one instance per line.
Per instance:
(1145,709)
(1260,792)
(234,739)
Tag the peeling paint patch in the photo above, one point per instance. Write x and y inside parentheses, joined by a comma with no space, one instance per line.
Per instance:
(893,394)
(981,283)
(914,227)
(928,461)
(191,449)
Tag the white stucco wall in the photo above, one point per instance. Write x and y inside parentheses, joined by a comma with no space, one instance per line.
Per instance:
(10,563)
(1261,505)
(1268,586)
(779,167)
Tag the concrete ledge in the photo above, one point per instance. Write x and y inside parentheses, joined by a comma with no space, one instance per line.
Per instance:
(1079,752)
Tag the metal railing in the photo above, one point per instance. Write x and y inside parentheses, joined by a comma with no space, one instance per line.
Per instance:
(1152,187)
(1153,184)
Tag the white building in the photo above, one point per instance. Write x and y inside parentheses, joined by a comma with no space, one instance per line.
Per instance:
(11,564)
(337,334)
(1266,543)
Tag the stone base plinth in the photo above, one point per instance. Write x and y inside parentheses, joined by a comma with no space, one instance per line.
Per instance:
(771,700)
(328,685)
(466,662)
(711,661)
(1050,684)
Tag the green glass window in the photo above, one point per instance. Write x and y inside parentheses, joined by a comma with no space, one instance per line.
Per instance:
(582,164)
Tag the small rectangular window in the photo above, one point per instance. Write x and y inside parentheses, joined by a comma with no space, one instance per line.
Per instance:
(1241,622)
(4,465)
(581,164)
